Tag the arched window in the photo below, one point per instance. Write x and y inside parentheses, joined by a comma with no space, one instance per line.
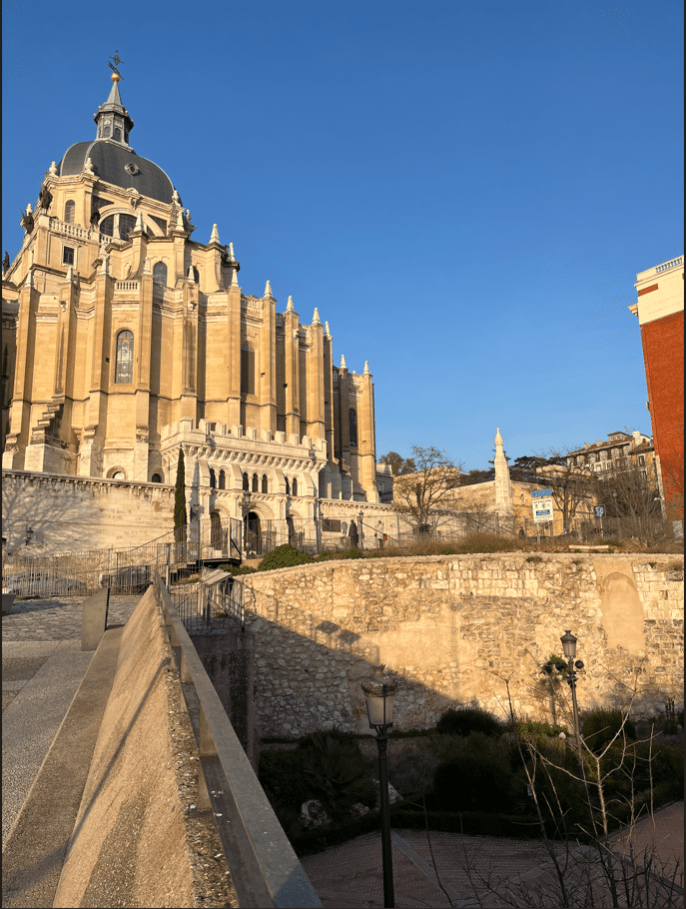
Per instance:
(159,273)
(126,223)
(247,370)
(265,483)
(106,130)
(255,483)
(124,368)
(246,482)
(107,226)
(156,478)
(117,135)
(213,479)
(70,212)
(288,487)
(352,426)
(222,480)
(215,530)
(295,486)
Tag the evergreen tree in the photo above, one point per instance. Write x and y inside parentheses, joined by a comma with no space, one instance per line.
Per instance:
(180,493)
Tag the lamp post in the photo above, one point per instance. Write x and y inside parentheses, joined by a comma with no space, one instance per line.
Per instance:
(379,693)
(569,648)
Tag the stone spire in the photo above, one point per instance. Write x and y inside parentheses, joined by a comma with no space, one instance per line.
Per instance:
(289,305)
(342,366)
(327,331)
(234,278)
(139,222)
(366,368)
(214,237)
(114,122)
(268,289)
(232,257)
(70,275)
(503,488)
(315,317)
(53,169)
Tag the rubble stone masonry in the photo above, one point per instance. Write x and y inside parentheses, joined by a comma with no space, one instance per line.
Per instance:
(459,630)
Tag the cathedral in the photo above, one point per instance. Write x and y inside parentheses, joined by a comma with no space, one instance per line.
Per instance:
(125,339)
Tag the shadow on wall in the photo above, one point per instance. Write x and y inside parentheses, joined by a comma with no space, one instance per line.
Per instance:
(318,630)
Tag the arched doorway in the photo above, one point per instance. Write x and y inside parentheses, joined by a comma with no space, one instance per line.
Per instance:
(215,530)
(253,534)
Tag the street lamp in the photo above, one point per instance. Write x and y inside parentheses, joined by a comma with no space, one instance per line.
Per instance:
(379,693)
(569,648)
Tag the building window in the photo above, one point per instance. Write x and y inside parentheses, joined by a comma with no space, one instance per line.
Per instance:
(288,487)
(352,426)
(265,484)
(124,370)
(295,487)
(107,226)
(246,482)
(68,255)
(213,479)
(117,135)
(156,478)
(160,223)
(222,480)
(159,273)
(247,370)
(106,131)
(641,460)
(70,212)
(255,483)
(126,224)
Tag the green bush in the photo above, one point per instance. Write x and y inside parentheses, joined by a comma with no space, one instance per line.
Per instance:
(355,554)
(463,720)
(533,729)
(281,776)
(471,783)
(600,726)
(336,773)
(284,557)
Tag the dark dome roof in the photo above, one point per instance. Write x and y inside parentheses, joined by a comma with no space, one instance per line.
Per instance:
(109,163)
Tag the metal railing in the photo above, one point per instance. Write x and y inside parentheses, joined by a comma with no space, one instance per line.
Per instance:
(127,571)
(205,609)
(264,868)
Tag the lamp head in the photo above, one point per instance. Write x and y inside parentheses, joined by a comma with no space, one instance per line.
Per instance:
(379,692)
(568,645)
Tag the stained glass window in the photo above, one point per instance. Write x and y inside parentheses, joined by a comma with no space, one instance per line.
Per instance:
(124,372)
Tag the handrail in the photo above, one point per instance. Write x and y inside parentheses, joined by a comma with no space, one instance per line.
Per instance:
(264,868)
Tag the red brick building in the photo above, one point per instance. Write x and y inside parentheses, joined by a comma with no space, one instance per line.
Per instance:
(660,311)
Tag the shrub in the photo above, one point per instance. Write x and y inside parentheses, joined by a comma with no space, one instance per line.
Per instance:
(284,557)
(477,779)
(464,720)
(336,773)
(355,554)
(601,725)
(281,776)
(533,729)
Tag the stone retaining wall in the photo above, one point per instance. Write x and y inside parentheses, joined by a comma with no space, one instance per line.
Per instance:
(459,630)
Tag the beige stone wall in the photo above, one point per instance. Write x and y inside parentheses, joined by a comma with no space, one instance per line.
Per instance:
(456,630)
(73,513)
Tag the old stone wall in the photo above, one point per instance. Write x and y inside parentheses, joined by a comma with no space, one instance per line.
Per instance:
(456,630)
(78,513)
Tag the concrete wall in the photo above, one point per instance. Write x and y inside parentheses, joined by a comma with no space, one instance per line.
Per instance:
(456,629)
(129,845)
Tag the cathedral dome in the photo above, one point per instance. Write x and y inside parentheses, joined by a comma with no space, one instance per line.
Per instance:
(113,159)
(119,165)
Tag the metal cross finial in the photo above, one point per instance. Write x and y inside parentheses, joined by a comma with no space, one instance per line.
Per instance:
(116,62)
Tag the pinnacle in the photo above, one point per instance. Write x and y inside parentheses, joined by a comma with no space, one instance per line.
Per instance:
(232,258)
(289,305)
(366,368)
(268,289)
(214,237)
(315,317)
(342,366)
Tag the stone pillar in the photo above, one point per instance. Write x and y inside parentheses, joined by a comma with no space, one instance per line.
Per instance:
(266,380)
(292,370)
(233,409)
(316,425)
(503,488)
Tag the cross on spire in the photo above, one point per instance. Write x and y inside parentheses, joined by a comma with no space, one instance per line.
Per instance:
(116,63)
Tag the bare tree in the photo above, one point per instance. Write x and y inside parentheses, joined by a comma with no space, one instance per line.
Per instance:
(423,495)
(571,484)
(631,497)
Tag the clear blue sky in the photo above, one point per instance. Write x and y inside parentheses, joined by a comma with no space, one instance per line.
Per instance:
(466,190)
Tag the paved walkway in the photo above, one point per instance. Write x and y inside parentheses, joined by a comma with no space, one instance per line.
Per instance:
(473,870)
(42,668)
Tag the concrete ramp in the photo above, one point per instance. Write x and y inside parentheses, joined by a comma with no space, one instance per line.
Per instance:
(129,845)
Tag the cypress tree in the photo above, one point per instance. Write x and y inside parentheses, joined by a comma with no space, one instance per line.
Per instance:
(180,493)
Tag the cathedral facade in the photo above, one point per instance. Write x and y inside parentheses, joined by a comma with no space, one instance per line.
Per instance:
(124,340)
